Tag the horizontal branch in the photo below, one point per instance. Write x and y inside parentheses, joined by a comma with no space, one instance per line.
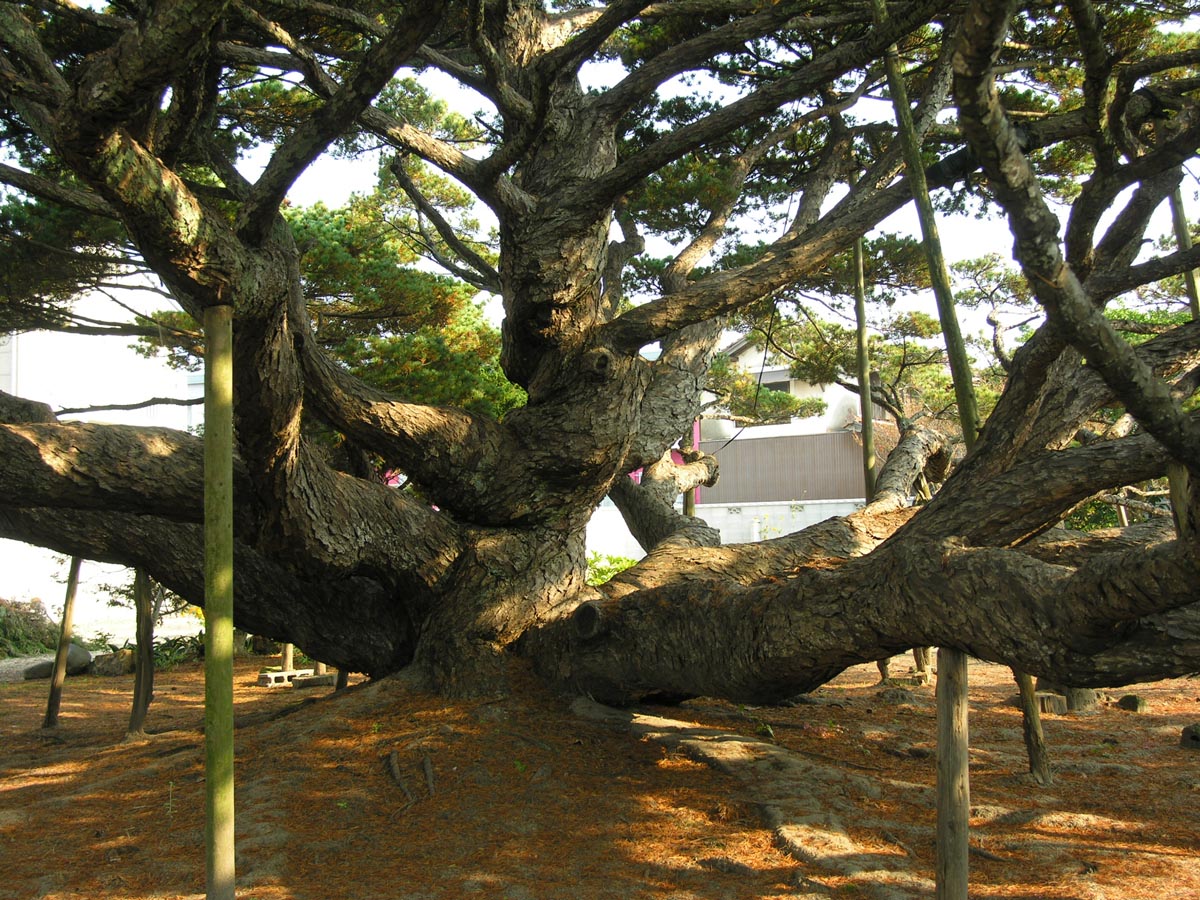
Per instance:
(771,641)
(153,401)
(44,188)
(373,634)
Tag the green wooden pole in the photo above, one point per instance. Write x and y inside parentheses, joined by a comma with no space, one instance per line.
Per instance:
(59,675)
(218,601)
(1183,240)
(953,775)
(1185,506)
(939,276)
(864,373)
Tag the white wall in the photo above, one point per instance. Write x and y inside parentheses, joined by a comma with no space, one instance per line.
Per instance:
(747,522)
(8,353)
(841,405)
(738,524)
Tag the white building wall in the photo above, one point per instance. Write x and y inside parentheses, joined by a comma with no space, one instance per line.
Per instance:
(841,406)
(8,364)
(738,523)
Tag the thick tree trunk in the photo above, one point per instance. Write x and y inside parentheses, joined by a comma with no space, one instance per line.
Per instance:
(143,682)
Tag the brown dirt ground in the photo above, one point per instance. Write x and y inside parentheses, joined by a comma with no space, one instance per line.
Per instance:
(530,802)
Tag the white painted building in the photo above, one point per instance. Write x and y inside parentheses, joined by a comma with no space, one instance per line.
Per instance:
(796,473)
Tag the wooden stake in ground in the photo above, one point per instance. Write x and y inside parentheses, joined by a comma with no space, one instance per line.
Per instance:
(143,682)
(1185,504)
(953,781)
(64,647)
(864,373)
(953,798)
(218,601)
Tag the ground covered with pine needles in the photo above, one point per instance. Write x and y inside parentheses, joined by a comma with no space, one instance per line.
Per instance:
(386,793)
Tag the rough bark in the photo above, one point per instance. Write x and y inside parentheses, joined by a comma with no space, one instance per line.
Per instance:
(143,682)
(59,674)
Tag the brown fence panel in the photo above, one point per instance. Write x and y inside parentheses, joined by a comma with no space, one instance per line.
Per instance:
(799,467)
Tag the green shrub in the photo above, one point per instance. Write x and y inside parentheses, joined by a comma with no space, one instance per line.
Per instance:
(602,567)
(25,629)
(170,652)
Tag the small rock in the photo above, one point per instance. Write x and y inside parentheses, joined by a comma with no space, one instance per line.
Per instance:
(1190,737)
(1081,699)
(120,662)
(78,660)
(1133,703)
(725,865)
(897,695)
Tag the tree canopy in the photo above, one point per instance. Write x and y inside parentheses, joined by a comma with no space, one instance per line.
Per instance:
(755,141)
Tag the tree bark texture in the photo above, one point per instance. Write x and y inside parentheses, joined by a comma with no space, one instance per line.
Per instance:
(143,682)
(58,675)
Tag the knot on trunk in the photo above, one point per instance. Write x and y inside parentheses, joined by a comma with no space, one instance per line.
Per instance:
(599,362)
(590,620)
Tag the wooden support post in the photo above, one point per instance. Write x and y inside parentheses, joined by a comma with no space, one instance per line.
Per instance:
(1031,721)
(866,406)
(287,657)
(1185,497)
(953,792)
(64,647)
(953,782)
(218,603)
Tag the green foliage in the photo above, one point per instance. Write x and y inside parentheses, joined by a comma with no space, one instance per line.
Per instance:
(26,629)
(170,652)
(417,335)
(740,396)
(34,294)
(602,566)
(164,601)
(989,282)
(457,364)
(1092,515)
(1140,324)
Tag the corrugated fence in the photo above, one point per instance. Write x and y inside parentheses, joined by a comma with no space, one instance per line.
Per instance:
(802,467)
